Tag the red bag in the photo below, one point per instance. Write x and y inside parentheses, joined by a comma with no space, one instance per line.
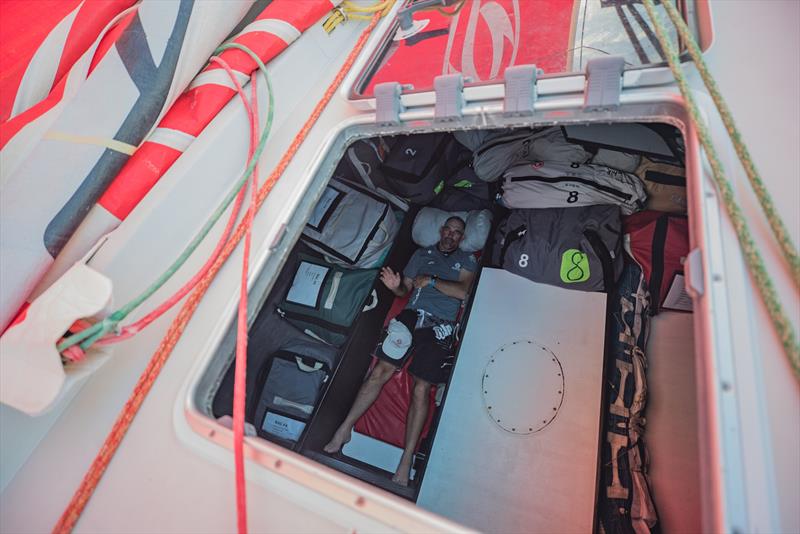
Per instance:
(659,243)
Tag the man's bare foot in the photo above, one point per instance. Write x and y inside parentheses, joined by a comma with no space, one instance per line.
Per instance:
(403,472)
(339,439)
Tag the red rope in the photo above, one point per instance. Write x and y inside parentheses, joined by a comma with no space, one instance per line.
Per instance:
(84,492)
(240,370)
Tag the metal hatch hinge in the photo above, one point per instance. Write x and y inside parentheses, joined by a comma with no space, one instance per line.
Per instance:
(603,83)
(693,269)
(405,13)
(449,90)
(388,106)
(520,90)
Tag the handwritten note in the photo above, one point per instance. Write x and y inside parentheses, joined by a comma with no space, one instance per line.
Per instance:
(307,284)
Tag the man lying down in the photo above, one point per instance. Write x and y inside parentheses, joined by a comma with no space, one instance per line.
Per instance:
(439,277)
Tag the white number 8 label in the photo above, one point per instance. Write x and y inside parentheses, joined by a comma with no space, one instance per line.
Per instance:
(523,260)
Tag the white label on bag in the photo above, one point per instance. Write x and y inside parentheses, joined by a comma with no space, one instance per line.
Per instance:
(321,209)
(307,284)
(337,278)
(677,298)
(283,427)
(279,401)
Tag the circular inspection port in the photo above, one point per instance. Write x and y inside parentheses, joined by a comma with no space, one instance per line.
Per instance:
(523,387)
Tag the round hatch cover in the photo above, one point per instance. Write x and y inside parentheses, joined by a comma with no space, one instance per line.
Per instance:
(523,387)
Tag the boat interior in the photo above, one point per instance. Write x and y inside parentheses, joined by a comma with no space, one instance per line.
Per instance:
(507,425)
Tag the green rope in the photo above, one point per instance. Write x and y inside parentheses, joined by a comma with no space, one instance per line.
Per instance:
(776,223)
(90,335)
(754,261)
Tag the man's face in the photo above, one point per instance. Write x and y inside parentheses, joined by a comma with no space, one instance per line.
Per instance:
(450,235)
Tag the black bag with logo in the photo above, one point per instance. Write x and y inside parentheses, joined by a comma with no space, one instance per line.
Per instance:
(417,166)
(362,164)
(464,191)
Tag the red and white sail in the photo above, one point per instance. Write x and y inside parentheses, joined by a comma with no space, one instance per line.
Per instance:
(58,164)
(43,42)
(48,51)
(272,31)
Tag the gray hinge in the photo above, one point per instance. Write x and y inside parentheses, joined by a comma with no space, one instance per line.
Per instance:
(405,13)
(603,83)
(520,90)
(693,268)
(278,237)
(387,103)
(449,90)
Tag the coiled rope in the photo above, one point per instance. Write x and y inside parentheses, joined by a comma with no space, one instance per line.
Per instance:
(84,492)
(350,11)
(752,256)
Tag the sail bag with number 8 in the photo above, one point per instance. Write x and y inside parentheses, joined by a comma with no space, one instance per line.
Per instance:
(555,184)
(575,248)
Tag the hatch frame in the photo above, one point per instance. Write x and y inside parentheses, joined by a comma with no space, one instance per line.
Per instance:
(725,496)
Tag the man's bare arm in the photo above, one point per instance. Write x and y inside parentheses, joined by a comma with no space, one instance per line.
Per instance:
(452,288)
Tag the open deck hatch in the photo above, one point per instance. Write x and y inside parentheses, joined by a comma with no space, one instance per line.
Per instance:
(536,452)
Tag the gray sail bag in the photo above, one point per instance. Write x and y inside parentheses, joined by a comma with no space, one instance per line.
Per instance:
(351,226)
(554,184)
(574,248)
(362,164)
(288,387)
(500,150)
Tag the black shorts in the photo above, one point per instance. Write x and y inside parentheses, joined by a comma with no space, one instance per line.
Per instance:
(432,356)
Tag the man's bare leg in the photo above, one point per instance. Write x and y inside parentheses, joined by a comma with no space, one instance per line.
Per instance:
(417,413)
(367,394)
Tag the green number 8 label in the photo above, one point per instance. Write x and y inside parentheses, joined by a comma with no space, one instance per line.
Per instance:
(574,266)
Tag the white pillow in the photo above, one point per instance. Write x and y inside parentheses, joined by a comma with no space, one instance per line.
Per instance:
(425,230)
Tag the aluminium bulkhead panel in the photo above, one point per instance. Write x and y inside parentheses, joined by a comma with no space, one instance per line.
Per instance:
(521,455)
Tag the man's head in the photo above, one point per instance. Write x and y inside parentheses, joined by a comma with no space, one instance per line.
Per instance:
(451,234)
